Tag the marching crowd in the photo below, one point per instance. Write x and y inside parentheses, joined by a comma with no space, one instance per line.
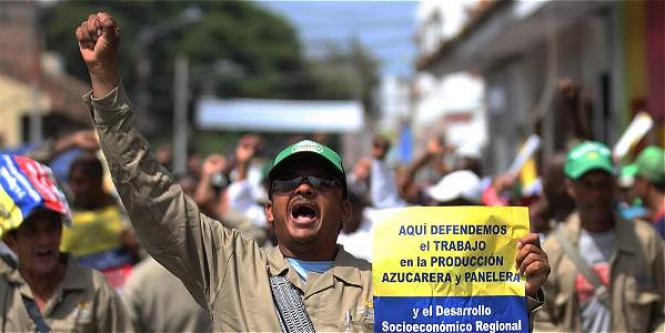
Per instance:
(227,245)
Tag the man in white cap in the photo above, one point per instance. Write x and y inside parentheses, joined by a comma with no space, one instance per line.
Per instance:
(458,188)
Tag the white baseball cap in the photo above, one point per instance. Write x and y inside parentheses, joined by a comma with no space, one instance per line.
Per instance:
(455,185)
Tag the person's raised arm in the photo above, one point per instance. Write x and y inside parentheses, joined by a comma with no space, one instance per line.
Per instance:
(204,194)
(47,151)
(167,222)
(434,153)
(382,187)
(245,151)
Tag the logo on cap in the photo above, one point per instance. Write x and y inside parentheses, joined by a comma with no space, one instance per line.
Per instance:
(588,148)
(308,146)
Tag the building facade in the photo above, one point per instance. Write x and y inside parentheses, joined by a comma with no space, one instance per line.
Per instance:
(31,82)
(565,70)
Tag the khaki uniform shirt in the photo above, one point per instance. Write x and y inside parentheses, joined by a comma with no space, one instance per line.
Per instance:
(225,272)
(637,281)
(84,302)
(158,302)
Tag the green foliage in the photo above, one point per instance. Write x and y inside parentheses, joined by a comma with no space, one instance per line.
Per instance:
(208,142)
(258,41)
(343,74)
(262,46)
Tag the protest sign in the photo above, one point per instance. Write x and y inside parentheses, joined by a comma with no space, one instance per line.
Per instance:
(449,269)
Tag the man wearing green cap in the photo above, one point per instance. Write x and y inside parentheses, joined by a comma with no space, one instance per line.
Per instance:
(608,274)
(307,283)
(650,184)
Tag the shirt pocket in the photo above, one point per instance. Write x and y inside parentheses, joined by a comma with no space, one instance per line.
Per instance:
(359,320)
(641,299)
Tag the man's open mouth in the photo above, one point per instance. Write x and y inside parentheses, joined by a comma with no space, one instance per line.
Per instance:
(304,212)
(45,253)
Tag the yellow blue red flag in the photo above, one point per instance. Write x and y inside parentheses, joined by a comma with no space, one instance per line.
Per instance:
(27,185)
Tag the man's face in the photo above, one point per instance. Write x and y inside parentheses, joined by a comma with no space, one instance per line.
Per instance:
(84,187)
(36,243)
(307,217)
(594,192)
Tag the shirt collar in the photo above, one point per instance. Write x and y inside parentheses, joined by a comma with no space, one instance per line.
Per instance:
(346,267)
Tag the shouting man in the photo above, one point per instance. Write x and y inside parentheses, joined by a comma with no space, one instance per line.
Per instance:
(306,283)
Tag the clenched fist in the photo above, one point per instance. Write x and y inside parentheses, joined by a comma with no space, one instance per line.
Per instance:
(99,39)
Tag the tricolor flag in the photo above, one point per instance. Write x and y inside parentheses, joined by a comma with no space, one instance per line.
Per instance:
(25,186)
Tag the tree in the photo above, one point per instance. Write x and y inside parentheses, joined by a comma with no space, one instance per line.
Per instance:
(345,73)
(263,45)
(260,42)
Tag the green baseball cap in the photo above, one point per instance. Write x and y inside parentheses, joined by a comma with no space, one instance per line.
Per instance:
(308,147)
(651,164)
(627,175)
(587,156)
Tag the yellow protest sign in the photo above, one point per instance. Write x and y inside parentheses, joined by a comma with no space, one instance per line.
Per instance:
(449,269)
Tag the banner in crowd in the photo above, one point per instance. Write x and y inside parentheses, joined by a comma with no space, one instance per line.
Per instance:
(449,269)
(95,240)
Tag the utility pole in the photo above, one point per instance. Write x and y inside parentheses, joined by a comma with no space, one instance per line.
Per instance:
(180,123)
(35,79)
(146,37)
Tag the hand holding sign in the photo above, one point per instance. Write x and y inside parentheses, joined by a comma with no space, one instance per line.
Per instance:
(532,261)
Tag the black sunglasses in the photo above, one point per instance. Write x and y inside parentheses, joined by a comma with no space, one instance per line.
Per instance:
(288,185)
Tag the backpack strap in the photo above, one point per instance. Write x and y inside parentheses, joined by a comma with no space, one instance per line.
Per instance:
(293,316)
(35,315)
(600,290)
